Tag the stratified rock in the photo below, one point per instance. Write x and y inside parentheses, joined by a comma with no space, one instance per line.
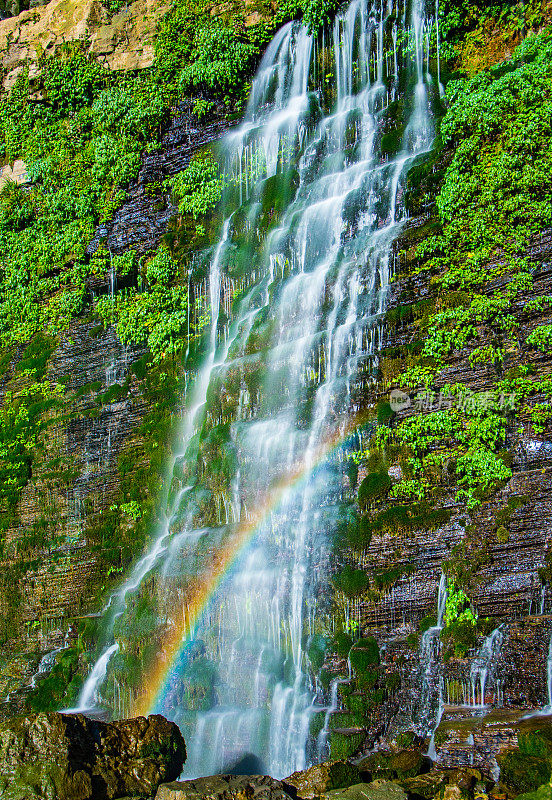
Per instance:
(224,787)
(55,756)
(322,778)
(376,790)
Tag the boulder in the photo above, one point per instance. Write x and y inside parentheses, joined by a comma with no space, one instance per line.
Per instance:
(51,756)
(404,764)
(450,784)
(426,786)
(224,787)
(322,778)
(376,790)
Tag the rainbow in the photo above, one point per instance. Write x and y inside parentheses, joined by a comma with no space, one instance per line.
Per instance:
(221,563)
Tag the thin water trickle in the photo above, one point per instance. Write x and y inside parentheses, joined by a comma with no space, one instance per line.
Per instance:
(89,694)
(483,666)
(431,700)
(314,203)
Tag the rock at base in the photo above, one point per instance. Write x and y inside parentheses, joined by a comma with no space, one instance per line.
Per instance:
(426,786)
(404,764)
(51,756)
(376,790)
(224,787)
(322,778)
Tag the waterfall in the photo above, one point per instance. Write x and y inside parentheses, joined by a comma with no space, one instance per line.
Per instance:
(89,692)
(315,198)
(483,665)
(431,701)
(322,751)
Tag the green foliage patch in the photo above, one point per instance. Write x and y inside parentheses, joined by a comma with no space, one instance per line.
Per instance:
(495,198)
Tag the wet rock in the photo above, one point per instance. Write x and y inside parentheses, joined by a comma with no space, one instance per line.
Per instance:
(376,790)
(224,787)
(426,786)
(461,784)
(320,778)
(51,756)
(405,764)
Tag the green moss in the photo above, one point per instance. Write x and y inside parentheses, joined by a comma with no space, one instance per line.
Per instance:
(316,651)
(373,486)
(36,355)
(352,582)
(344,745)
(384,412)
(60,687)
(363,656)
(341,644)
(537,743)
(426,623)
(521,772)
(542,793)
(458,638)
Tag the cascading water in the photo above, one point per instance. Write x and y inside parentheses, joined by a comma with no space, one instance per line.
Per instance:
(316,179)
(483,665)
(431,701)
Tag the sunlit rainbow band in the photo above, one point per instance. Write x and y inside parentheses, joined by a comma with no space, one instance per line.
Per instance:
(222,562)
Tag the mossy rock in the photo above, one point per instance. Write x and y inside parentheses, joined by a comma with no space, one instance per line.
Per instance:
(341,643)
(544,792)
(458,638)
(375,485)
(401,765)
(344,744)
(425,786)
(427,622)
(376,790)
(351,582)
(521,772)
(321,778)
(366,651)
(536,743)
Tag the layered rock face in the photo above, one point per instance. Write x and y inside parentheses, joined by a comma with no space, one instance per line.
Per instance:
(473,705)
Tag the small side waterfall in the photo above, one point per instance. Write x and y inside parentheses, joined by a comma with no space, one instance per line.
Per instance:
(483,665)
(89,692)
(322,743)
(315,198)
(431,700)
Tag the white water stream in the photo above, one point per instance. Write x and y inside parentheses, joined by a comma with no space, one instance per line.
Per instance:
(318,173)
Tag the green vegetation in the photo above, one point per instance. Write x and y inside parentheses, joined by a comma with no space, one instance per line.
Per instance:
(522,772)
(61,686)
(351,582)
(495,198)
(459,633)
